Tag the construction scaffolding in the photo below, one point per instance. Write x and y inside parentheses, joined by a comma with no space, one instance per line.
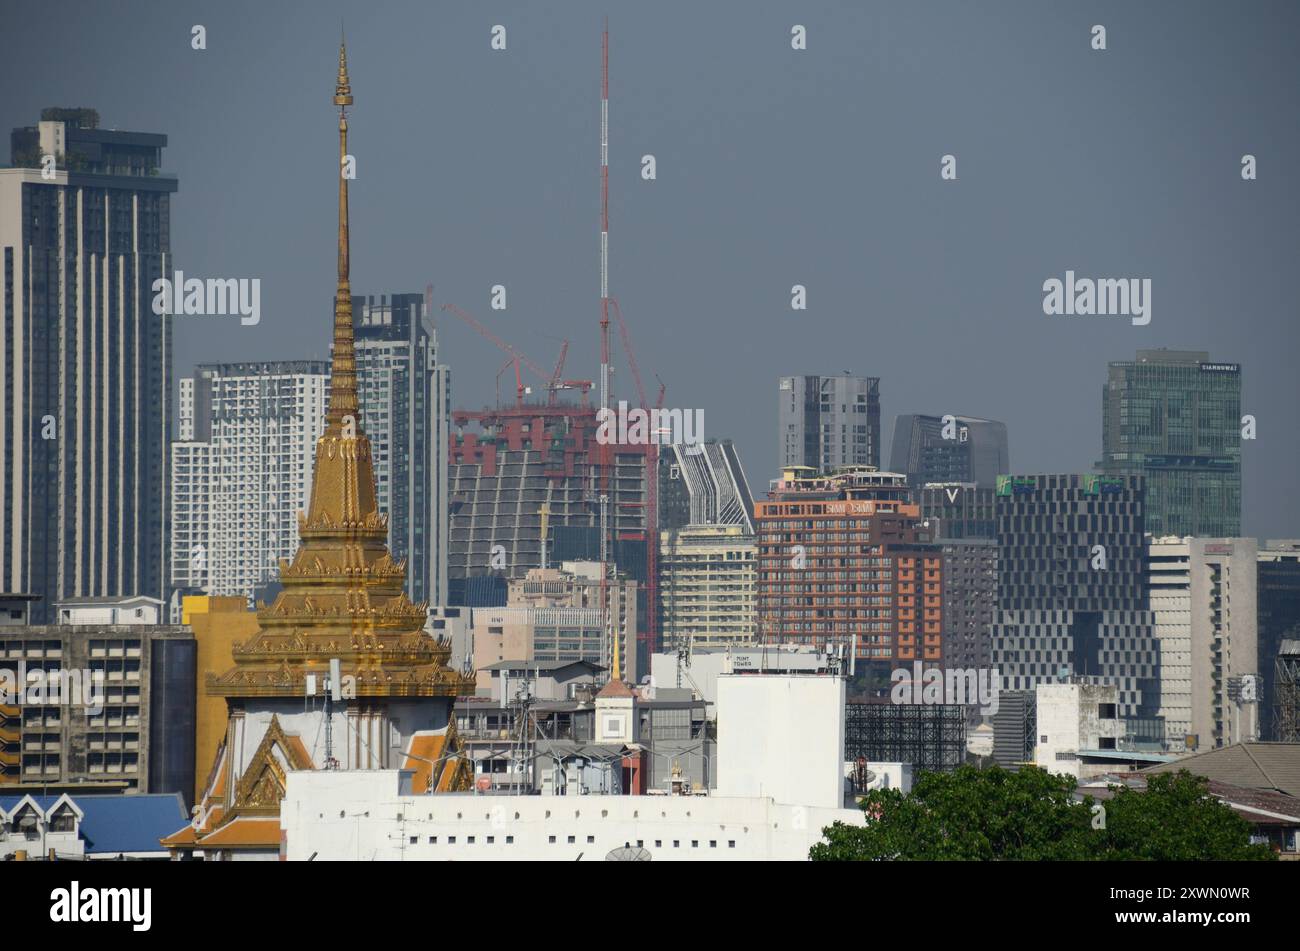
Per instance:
(932,737)
(1286,693)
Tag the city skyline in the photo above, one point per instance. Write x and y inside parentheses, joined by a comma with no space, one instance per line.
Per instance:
(531,175)
(284,583)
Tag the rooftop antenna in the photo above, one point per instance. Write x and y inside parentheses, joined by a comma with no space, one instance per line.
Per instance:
(606,454)
(332,696)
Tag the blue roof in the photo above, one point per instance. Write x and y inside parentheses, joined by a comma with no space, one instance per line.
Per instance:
(43,802)
(129,823)
(120,823)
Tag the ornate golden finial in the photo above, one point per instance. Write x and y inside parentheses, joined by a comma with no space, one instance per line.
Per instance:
(343,370)
(343,89)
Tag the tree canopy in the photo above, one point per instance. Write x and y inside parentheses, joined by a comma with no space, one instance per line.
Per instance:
(992,814)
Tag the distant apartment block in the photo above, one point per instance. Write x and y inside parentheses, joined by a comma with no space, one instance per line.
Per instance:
(829,422)
(85,363)
(844,559)
(406,412)
(707,586)
(140,736)
(1174,417)
(242,471)
(554,614)
(970,601)
(706,487)
(1203,601)
(950,449)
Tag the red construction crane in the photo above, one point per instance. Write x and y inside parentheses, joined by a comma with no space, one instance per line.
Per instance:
(559,367)
(552,381)
(519,383)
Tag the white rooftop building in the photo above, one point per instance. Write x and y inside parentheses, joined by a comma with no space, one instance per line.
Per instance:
(780,782)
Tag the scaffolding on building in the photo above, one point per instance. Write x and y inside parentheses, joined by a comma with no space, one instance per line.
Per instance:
(932,737)
(1286,693)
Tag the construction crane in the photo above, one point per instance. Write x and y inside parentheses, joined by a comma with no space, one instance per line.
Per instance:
(559,366)
(552,381)
(520,389)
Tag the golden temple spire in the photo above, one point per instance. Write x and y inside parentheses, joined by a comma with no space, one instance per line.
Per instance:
(343,371)
(342,593)
(617,674)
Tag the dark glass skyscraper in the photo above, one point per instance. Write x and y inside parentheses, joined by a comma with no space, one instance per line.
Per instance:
(406,412)
(949,449)
(85,383)
(1072,588)
(1175,418)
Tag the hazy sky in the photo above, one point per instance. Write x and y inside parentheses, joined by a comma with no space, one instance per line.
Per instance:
(775,167)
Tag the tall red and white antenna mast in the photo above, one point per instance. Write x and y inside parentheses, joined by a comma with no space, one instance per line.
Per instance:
(604,218)
(606,452)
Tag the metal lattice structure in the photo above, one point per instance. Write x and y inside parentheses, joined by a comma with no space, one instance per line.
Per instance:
(932,737)
(1286,693)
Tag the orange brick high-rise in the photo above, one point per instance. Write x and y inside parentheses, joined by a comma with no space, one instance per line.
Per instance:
(845,556)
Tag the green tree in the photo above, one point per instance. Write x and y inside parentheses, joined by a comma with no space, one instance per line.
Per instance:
(1032,815)
(1176,819)
(968,814)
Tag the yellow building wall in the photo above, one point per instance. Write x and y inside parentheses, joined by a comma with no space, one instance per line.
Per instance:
(218,623)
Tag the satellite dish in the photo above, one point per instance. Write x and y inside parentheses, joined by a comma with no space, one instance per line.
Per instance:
(628,853)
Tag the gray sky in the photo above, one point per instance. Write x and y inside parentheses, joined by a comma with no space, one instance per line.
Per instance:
(775,167)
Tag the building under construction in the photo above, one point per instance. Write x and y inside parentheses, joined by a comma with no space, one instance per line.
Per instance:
(518,474)
(932,737)
(530,476)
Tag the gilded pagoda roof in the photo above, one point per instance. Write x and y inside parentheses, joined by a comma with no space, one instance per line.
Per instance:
(342,593)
